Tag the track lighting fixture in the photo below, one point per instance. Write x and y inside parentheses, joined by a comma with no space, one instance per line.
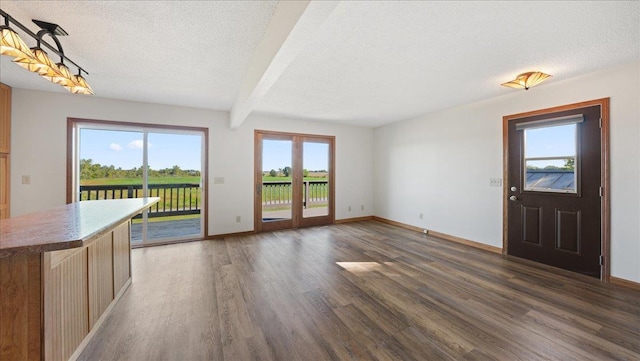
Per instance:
(36,60)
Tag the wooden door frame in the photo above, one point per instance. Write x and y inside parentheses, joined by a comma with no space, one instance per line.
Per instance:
(5,149)
(72,123)
(297,164)
(605,214)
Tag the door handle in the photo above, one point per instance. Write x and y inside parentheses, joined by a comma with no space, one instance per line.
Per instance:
(513,198)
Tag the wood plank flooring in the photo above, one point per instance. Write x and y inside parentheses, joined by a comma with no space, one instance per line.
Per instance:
(360,291)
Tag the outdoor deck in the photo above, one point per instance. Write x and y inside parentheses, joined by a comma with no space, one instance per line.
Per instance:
(188,228)
(185,228)
(308,212)
(185,199)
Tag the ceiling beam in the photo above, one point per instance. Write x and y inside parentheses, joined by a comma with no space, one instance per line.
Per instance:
(293,24)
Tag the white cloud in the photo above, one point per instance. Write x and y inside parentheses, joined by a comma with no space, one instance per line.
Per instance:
(115,146)
(136,144)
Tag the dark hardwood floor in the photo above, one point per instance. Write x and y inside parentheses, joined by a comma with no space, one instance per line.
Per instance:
(363,291)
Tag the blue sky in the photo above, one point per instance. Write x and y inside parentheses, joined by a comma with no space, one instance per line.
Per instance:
(277,154)
(551,142)
(123,149)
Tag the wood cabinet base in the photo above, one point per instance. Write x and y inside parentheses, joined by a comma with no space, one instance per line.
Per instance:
(21,307)
(50,302)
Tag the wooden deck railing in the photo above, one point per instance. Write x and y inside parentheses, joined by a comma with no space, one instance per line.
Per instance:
(186,198)
(175,199)
(280,193)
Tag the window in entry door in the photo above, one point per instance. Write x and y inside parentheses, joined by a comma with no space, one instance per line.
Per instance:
(550,155)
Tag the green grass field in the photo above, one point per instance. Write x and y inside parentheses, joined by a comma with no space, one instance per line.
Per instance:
(176,199)
(285,179)
(174,180)
(269,194)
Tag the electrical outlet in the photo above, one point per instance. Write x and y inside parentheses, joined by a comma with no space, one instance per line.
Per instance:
(349,209)
(421,216)
(424,231)
(495,182)
(26,179)
(362,207)
(238,219)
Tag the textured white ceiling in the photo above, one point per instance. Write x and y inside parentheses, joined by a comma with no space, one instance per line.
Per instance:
(369,63)
(373,63)
(189,53)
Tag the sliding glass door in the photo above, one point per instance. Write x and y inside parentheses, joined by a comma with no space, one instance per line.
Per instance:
(110,167)
(175,175)
(126,161)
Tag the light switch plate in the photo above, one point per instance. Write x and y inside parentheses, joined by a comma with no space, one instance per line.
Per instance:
(218,180)
(495,182)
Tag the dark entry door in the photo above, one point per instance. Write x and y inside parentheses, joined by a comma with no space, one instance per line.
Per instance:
(554,189)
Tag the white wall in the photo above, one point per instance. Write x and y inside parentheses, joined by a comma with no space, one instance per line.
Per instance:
(439,164)
(39,121)
(233,160)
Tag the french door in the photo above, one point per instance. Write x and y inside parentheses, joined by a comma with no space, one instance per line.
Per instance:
(294,180)
(554,188)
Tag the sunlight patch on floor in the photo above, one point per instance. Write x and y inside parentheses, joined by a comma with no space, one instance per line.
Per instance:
(359,267)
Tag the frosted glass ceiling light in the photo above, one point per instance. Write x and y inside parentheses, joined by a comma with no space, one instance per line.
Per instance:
(527,80)
(37,60)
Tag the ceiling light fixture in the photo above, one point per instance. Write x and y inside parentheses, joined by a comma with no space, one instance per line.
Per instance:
(36,60)
(527,80)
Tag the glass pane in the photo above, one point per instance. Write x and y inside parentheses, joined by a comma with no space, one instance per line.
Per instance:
(556,175)
(550,158)
(174,175)
(276,180)
(551,141)
(111,168)
(315,162)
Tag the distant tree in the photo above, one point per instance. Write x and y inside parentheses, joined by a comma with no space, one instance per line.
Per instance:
(85,168)
(569,164)
(273,173)
(286,171)
(305,172)
(90,170)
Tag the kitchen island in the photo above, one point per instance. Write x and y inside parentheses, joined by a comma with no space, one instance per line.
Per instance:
(61,270)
